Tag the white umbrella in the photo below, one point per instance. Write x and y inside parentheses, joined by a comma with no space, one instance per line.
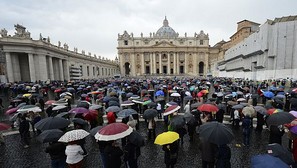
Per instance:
(74,135)
(59,107)
(188,93)
(241,99)
(175,95)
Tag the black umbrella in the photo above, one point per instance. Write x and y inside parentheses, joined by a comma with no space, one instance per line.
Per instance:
(114,109)
(83,104)
(52,123)
(177,122)
(195,105)
(136,139)
(215,132)
(50,135)
(222,106)
(114,99)
(190,119)
(113,103)
(93,131)
(279,151)
(280,118)
(79,121)
(126,113)
(63,114)
(150,113)
(188,98)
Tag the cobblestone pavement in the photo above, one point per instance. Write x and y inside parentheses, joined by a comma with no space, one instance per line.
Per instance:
(14,156)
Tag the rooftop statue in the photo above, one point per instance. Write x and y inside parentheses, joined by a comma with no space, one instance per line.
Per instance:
(3,32)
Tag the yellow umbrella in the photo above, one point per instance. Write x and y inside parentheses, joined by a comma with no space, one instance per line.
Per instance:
(27,95)
(166,138)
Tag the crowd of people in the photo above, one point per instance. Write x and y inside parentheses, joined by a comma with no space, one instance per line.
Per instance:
(177,102)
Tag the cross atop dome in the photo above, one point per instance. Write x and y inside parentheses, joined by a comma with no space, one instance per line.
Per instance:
(165,22)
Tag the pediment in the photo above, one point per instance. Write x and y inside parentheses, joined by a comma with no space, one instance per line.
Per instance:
(164,44)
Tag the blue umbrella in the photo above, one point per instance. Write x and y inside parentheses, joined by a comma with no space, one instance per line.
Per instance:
(159,93)
(272,88)
(126,113)
(260,161)
(268,94)
(106,99)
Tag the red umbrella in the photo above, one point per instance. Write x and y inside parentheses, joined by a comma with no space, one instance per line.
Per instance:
(11,111)
(91,115)
(208,108)
(171,109)
(58,90)
(113,131)
(79,110)
(4,126)
(50,102)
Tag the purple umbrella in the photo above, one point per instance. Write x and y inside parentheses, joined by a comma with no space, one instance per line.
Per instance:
(79,110)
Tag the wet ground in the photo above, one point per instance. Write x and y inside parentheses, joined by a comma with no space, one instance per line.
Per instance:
(13,155)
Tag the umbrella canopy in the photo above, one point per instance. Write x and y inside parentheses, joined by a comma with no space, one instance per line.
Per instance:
(175,95)
(59,107)
(79,121)
(268,94)
(84,104)
(94,131)
(249,111)
(238,106)
(91,115)
(159,93)
(79,110)
(188,117)
(279,151)
(126,113)
(52,123)
(294,113)
(95,107)
(260,161)
(273,110)
(113,131)
(171,109)
(113,103)
(188,98)
(195,105)
(171,103)
(152,104)
(74,135)
(177,122)
(208,108)
(114,99)
(127,103)
(241,100)
(261,110)
(11,111)
(113,109)
(150,113)
(62,114)
(50,102)
(136,139)
(4,126)
(52,135)
(160,98)
(280,118)
(215,132)
(166,138)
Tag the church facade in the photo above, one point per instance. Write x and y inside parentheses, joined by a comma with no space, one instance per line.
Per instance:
(163,53)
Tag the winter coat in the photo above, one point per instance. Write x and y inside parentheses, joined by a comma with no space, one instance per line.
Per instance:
(208,151)
(171,153)
(113,156)
(223,157)
(275,134)
(56,151)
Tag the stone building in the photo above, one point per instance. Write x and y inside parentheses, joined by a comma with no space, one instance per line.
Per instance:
(163,53)
(269,53)
(25,59)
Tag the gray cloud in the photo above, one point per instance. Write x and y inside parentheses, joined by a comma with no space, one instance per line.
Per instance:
(93,25)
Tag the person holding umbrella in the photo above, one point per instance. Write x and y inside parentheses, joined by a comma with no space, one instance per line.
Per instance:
(113,155)
(56,150)
(171,154)
(223,156)
(131,154)
(246,130)
(24,130)
(151,126)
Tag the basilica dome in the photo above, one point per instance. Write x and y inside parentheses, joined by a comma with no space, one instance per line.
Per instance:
(166,30)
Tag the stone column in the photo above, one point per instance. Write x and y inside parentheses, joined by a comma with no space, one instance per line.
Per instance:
(195,63)
(174,63)
(66,70)
(142,64)
(43,75)
(132,65)
(32,67)
(177,63)
(61,70)
(168,63)
(154,63)
(51,68)
(9,69)
(160,64)
(151,61)
(186,63)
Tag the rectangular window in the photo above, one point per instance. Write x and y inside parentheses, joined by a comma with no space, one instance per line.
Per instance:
(88,71)
(126,42)
(201,42)
(158,71)
(147,70)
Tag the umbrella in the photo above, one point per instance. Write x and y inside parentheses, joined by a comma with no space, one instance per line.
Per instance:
(152,104)
(138,101)
(62,114)
(280,118)
(79,121)
(150,113)
(113,109)
(94,131)
(248,111)
(171,109)
(113,94)
(74,135)
(294,113)
(160,98)
(27,95)
(106,99)
(126,113)
(52,123)
(238,106)
(79,110)
(215,132)
(113,131)
(188,98)
(260,161)
(195,105)
(273,110)
(260,110)
(268,94)
(136,139)
(50,102)
(159,93)
(188,117)
(147,102)
(52,135)
(129,94)
(84,104)
(171,103)
(59,107)
(11,111)
(241,99)
(221,106)
(83,95)
(113,103)
(4,126)
(95,107)
(127,103)
(279,151)
(175,95)
(294,129)
(166,138)
(114,99)
(208,108)
(177,122)
(58,90)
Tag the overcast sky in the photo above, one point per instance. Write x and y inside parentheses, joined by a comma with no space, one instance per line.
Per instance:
(93,25)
